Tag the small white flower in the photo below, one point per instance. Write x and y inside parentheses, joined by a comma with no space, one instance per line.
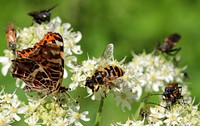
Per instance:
(81,72)
(76,78)
(15,109)
(6,61)
(32,120)
(137,89)
(157,112)
(124,98)
(70,61)
(5,120)
(60,122)
(89,65)
(173,118)
(70,41)
(75,116)
(11,107)
(130,122)
(32,105)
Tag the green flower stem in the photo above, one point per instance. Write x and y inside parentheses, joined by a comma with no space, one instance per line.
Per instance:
(98,116)
(137,113)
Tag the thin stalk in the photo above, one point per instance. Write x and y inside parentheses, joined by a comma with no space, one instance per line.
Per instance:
(137,113)
(98,116)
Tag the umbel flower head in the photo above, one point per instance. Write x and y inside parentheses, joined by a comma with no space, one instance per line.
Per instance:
(126,82)
(91,69)
(28,36)
(145,72)
(41,111)
(11,108)
(180,114)
(153,72)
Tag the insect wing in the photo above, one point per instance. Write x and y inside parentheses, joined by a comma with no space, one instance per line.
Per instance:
(118,83)
(42,70)
(31,73)
(107,55)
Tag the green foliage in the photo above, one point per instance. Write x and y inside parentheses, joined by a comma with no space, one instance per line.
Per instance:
(131,25)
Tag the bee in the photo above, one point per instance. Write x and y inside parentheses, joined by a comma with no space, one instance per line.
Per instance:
(168,44)
(171,95)
(42,15)
(104,75)
(11,36)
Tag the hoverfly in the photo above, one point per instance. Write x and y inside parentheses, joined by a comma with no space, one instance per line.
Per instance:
(168,44)
(11,37)
(105,73)
(171,95)
(42,15)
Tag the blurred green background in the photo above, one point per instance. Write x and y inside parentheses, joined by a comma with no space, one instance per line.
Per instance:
(132,25)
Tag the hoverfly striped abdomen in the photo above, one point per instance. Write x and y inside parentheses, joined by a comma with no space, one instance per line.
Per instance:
(113,72)
(103,76)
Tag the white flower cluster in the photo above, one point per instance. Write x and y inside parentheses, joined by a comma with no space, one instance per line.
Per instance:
(145,72)
(39,111)
(127,83)
(28,36)
(6,61)
(121,87)
(154,72)
(184,114)
(10,108)
(53,113)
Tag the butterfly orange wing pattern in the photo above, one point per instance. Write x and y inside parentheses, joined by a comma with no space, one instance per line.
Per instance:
(42,66)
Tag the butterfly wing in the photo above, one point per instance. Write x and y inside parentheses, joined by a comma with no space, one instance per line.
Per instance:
(43,69)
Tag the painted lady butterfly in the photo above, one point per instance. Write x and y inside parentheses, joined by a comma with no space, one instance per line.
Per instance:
(42,66)
(11,37)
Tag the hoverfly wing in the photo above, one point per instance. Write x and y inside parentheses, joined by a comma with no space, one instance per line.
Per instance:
(118,83)
(108,52)
(107,55)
